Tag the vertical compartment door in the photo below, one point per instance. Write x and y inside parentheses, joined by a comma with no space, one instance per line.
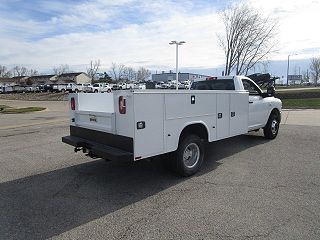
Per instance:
(239,112)
(223,115)
(149,125)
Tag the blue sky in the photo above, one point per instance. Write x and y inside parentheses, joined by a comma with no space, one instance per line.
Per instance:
(43,34)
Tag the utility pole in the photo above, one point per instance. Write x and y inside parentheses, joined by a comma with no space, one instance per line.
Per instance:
(177,43)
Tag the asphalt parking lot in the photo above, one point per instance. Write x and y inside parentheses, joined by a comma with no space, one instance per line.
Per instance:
(248,188)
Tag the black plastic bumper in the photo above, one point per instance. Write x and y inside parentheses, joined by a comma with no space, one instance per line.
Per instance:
(97,149)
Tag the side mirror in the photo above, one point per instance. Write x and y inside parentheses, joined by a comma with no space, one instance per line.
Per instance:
(270,92)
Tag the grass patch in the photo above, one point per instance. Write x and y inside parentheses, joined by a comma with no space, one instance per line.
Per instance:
(7,109)
(2,107)
(301,103)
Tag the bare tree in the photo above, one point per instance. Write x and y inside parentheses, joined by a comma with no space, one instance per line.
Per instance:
(117,71)
(4,72)
(315,69)
(247,40)
(33,72)
(93,69)
(305,76)
(63,68)
(19,71)
(130,74)
(143,74)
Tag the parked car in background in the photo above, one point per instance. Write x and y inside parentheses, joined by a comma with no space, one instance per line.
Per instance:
(158,85)
(59,88)
(87,88)
(7,89)
(31,89)
(48,88)
(18,89)
(116,87)
(187,84)
(72,87)
(141,86)
(101,87)
(82,86)
(174,86)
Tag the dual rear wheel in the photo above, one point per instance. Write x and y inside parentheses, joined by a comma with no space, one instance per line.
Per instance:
(188,158)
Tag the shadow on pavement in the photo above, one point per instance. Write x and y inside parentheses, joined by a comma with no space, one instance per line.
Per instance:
(45,205)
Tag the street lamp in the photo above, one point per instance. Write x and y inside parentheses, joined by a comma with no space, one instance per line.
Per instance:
(177,75)
(288,67)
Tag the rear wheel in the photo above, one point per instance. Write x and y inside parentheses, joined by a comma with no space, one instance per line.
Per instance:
(272,127)
(109,90)
(96,91)
(189,156)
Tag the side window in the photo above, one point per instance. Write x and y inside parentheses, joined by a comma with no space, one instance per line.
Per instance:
(200,86)
(250,87)
(224,84)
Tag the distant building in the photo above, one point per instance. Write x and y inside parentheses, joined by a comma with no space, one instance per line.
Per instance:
(7,81)
(79,77)
(170,76)
(20,79)
(42,79)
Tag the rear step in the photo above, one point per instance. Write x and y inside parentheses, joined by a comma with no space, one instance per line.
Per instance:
(95,149)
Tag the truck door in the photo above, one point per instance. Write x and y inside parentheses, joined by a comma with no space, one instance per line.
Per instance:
(258,107)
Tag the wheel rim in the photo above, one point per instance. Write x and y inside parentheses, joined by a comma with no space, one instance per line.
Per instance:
(191,155)
(274,126)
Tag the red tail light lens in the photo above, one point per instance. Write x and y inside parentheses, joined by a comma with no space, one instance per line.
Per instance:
(122,105)
(73,104)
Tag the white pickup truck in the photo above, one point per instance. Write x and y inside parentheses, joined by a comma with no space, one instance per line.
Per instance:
(101,88)
(139,124)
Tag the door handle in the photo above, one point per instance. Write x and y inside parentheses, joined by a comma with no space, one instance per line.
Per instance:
(250,102)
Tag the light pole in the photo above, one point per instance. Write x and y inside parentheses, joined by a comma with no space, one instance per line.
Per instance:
(288,67)
(177,74)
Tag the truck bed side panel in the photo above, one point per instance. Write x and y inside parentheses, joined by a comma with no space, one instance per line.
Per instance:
(181,111)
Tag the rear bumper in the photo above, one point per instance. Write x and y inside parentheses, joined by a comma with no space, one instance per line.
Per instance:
(100,144)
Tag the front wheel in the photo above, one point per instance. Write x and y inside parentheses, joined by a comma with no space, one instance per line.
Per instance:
(272,127)
(189,156)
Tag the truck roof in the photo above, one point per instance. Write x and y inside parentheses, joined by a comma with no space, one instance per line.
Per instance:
(213,78)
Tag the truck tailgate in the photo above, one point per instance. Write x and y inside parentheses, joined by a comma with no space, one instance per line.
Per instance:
(94,111)
(101,121)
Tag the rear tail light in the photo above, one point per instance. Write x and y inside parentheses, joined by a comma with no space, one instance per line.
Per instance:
(122,105)
(211,78)
(73,104)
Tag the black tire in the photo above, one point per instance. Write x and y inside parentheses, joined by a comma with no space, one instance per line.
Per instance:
(76,90)
(63,90)
(96,91)
(190,165)
(109,91)
(272,127)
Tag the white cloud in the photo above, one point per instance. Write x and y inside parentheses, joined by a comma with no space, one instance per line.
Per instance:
(146,42)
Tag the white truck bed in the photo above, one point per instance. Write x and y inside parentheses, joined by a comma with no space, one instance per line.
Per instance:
(164,113)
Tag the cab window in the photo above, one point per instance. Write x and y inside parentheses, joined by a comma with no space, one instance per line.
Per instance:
(223,84)
(250,87)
